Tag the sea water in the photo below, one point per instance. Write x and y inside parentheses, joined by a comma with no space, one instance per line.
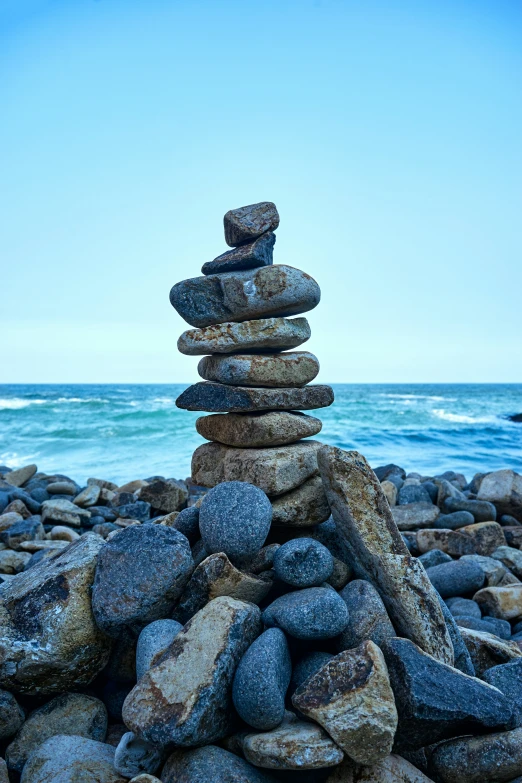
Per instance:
(121,432)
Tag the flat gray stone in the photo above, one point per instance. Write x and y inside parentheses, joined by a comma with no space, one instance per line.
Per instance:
(220,398)
(412,516)
(279,370)
(258,430)
(259,252)
(66,759)
(246,223)
(263,334)
(305,506)
(269,291)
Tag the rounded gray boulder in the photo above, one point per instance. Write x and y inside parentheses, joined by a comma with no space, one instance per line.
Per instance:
(303,562)
(312,613)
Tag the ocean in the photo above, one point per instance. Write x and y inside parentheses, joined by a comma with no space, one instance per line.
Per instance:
(121,432)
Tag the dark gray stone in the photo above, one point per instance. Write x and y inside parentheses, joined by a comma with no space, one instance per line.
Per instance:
(262,679)
(384,472)
(152,643)
(188,523)
(140,574)
(461,657)
(456,578)
(454,521)
(327,533)
(32,504)
(220,398)
(413,493)
(508,678)
(138,510)
(464,607)
(495,758)
(500,628)
(260,252)
(235,518)
(266,292)
(26,530)
(134,756)
(434,557)
(246,223)
(303,562)
(435,701)
(308,665)
(432,490)
(211,765)
(11,715)
(482,510)
(68,759)
(312,613)
(368,618)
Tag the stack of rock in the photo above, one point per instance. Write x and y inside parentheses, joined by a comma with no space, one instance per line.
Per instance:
(254,381)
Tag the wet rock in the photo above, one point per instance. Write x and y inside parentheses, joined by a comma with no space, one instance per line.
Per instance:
(509,557)
(165,496)
(220,398)
(303,562)
(280,370)
(464,607)
(454,521)
(368,618)
(264,334)
(503,488)
(456,578)
(66,759)
(71,714)
(293,745)
(435,701)
(153,641)
(449,541)
(276,471)
(185,698)
(487,650)
(11,715)
(508,678)
(351,697)
(502,602)
(312,613)
(495,757)
(50,641)
(30,529)
(134,756)
(216,576)
(493,570)
(378,552)
(257,253)
(262,679)
(246,223)
(19,477)
(157,565)
(482,510)
(211,765)
(63,512)
(258,430)
(434,557)
(268,291)
(392,769)
(414,516)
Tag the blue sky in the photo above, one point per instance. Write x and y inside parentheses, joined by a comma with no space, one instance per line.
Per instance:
(388,134)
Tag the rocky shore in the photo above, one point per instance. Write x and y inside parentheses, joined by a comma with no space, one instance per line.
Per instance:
(286,613)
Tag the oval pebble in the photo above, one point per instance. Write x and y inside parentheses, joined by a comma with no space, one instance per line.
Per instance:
(303,562)
(312,613)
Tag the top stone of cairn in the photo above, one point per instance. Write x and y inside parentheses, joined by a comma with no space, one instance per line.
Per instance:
(247,223)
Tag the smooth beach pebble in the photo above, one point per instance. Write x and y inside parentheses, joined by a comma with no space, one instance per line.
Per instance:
(313,613)
(262,679)
(235,518)
(456,578)
(303,562)
(263,334)
(153,641)
(257,430)
(211,765)
(282,370)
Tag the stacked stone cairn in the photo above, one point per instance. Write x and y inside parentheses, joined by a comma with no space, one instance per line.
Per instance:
(287,614)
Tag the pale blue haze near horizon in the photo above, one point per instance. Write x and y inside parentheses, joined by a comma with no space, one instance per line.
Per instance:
(387,133)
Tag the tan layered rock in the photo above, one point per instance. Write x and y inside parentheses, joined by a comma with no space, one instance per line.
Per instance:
(351,697)
(19,477)
(305,506)
(363,516)
(413,516)
(449,541)
(486,536)
(502,602)
(294,368)
(264,334)
(510,557)
(390,492)
(258,430)
(392,769)
(504,489)
(487,650)
(274,470)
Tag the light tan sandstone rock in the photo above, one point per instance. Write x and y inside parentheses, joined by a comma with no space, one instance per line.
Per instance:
(258,430)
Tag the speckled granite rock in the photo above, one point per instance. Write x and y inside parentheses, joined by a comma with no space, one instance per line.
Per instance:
(263,334)
(66,759)
(495,757)
(280,370)
(211,764)
(259,252)
(246,223)
(312,613)
(220,398)
(502,602)
(393,769)
(303,562)
(11,715)
(305,506)
(487,650)
(368,618)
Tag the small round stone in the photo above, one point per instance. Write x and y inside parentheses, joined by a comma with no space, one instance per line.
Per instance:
(313,613)
(153,641)
(303,562)
(262,679)
(187,522)
(235,518)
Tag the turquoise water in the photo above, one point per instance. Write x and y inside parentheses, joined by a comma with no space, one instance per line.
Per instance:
(121,432)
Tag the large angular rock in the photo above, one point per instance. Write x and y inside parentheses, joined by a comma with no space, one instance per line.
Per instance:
(220,398)
(413,516)
(495,757)
(305,506)
(257,430)
(259,252)
(508,678)
(185,698)
(503,488)
(241,296)
(165,496)
(246,223)
(280,370)
(363,516)
(351,697)
(263,334)
(19,477)
(502,602)
(274,470)
(367,616)
(435,701)
(66,759)
(49,639)
(487,650)
(211,764)
(392,769)
(71,714)
(140,574)
(216,576)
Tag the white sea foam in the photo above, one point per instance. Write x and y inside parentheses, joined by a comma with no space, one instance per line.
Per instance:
(16,403)
(458,418)
(430,397)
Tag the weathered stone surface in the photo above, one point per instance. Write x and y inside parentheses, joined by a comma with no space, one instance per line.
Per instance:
(434,557)
(216,576)
(449,541)
(512,534)
(392,769)
(454,521)
(435,701)
(293,745)
(269,291)
(511,558)
(185,698)
(305,506)
(487,536)
(495,757)
(134,756)
(259,252)
(307,666)
(13,562)
(19,477)
(263,334)
(280,370)
(312,613)
(378,552)
(261,681)
(303,562)
(11,715)
(494,571)
(456,578)
(165,496)
(71,714)
(63,512)
(368,618)
(258,430)
(487,650)
(502,602)
(139,575)
(274,470)
(153,641)
(66,759)
(9,518)
(88,496)
(211,765)
(390,492)
(508,678)
(500,628)
(220,398)
(503,488)
(50,641)
(351,697)
(246,223)
(30,529)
